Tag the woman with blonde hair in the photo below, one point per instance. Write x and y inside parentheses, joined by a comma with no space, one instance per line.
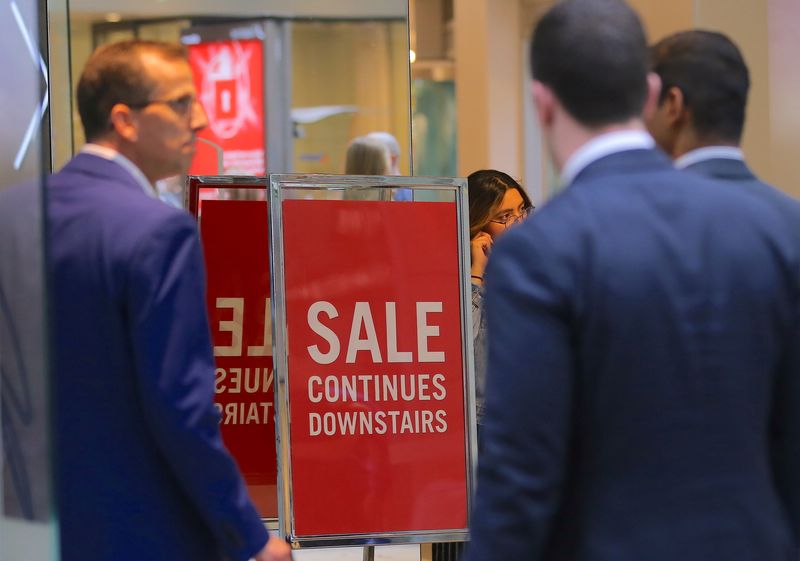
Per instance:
(367,156)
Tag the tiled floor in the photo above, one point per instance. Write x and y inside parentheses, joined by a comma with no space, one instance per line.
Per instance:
(382,553)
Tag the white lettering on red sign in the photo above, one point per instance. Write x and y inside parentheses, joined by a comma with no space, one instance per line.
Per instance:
(362,321)
(235,326)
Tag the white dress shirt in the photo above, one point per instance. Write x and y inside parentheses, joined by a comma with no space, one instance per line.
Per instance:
(709,153)
(602,146)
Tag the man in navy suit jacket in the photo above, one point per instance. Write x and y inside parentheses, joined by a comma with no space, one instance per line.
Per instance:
(643,393)
(142,472)
(701,112)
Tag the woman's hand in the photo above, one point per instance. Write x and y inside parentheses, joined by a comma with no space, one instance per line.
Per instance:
(480,247)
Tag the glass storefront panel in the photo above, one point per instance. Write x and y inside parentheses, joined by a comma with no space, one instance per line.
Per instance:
(355,74)
(329,72)
(27,526)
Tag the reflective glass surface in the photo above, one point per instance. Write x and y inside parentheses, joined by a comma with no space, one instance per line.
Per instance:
(27,528)
(287,84)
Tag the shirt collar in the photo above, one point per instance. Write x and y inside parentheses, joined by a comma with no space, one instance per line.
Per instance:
(709,153)
(113,156)
(602,146)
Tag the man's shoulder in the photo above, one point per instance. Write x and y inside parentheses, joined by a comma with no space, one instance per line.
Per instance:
(623,166)
(141,217)
(790,204)
(630,182)
(660,183)
(112,206)
(91,181)
(629,197)
(736,181)
(785,208)
(637,169)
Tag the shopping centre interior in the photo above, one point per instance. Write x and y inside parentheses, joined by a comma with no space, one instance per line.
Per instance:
(447,78)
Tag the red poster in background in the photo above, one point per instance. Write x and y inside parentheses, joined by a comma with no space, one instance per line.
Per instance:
(235,243)
(374,367)
(229,77)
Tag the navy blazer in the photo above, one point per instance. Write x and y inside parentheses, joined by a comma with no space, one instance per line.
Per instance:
(737,173)
(643,394)
(142,470)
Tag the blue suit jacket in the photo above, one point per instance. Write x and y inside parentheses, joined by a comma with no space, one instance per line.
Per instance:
(737,174)
(643,398)
(142,471)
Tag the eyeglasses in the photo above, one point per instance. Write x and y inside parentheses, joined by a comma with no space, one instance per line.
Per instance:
(511,217)
(181,105)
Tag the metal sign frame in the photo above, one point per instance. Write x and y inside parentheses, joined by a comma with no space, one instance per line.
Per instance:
(192,200)
(290,186)
(195,182)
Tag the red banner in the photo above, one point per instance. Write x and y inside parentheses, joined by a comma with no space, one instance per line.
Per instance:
(229,76)
(375,370)
(235,242)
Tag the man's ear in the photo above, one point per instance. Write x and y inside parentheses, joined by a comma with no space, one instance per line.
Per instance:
(676,110)
(673,106)
(544,100)
(653,93)
(124,122)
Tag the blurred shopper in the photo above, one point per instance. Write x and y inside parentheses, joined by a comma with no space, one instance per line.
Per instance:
(394,161)
(142,471)
(367,156)
(701,111)
(392,146)
(643,392)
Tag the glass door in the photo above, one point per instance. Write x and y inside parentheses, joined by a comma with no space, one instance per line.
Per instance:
(27,519)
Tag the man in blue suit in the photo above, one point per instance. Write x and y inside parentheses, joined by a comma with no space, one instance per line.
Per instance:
(701,111)
(142,472)
(643,393)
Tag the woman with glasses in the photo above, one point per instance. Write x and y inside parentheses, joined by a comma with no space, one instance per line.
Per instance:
(496,202)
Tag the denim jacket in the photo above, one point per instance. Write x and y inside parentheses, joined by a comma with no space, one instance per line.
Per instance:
(479,346)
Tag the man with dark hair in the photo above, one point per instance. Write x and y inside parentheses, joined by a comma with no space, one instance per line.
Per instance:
(703,94)
(643,386)
(701,111)
(141,469)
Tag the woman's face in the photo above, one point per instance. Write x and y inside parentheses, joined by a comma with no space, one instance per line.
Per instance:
(510,211)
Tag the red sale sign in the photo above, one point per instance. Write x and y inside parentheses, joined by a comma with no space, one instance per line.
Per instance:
(235,243)
(229,77)
(375,367)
